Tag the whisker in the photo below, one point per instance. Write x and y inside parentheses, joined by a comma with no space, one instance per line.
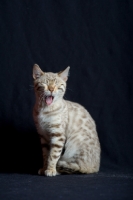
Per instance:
(31,86)
(42,95)
(41,98)
(29,89)
(69,89)
(65,98)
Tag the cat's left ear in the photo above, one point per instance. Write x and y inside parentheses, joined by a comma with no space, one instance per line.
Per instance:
(64,74)
(37,72)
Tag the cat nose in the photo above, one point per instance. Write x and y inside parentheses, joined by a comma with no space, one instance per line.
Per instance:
(51,88)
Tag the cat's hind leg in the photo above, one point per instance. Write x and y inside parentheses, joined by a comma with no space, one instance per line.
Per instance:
(67,167)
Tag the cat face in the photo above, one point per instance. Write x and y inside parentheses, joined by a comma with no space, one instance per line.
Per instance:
(49,87)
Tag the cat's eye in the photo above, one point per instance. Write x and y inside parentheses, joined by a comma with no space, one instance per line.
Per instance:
(39,88)
(60,87)
(44,84)
(55,81)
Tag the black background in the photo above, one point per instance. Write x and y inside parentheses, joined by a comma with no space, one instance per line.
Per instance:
(96,39)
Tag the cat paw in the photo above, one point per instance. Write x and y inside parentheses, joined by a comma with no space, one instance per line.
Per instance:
(51,172)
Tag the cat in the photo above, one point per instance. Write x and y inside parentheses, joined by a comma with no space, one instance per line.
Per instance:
(67,131)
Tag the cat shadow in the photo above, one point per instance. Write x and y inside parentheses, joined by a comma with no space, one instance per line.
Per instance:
(20,150)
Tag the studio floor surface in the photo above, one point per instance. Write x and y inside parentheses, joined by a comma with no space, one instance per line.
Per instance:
(108,186)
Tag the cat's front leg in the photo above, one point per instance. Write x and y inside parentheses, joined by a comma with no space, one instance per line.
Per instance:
(56,147)
(45,152)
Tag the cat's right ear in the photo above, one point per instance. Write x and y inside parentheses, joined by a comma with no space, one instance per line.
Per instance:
(37,72)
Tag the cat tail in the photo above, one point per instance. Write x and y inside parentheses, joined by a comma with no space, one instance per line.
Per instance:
(64,167)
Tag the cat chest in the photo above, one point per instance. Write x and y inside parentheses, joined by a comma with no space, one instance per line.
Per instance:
(47,121)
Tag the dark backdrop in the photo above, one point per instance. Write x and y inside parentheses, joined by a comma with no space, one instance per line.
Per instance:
(96,39)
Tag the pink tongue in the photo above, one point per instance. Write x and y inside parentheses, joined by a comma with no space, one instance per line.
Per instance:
(49,100)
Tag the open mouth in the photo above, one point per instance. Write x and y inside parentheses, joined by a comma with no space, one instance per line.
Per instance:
(49,100)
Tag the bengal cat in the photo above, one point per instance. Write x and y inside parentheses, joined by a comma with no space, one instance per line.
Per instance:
(67,132)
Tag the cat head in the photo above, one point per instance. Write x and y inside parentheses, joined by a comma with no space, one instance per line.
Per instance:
(49,87)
